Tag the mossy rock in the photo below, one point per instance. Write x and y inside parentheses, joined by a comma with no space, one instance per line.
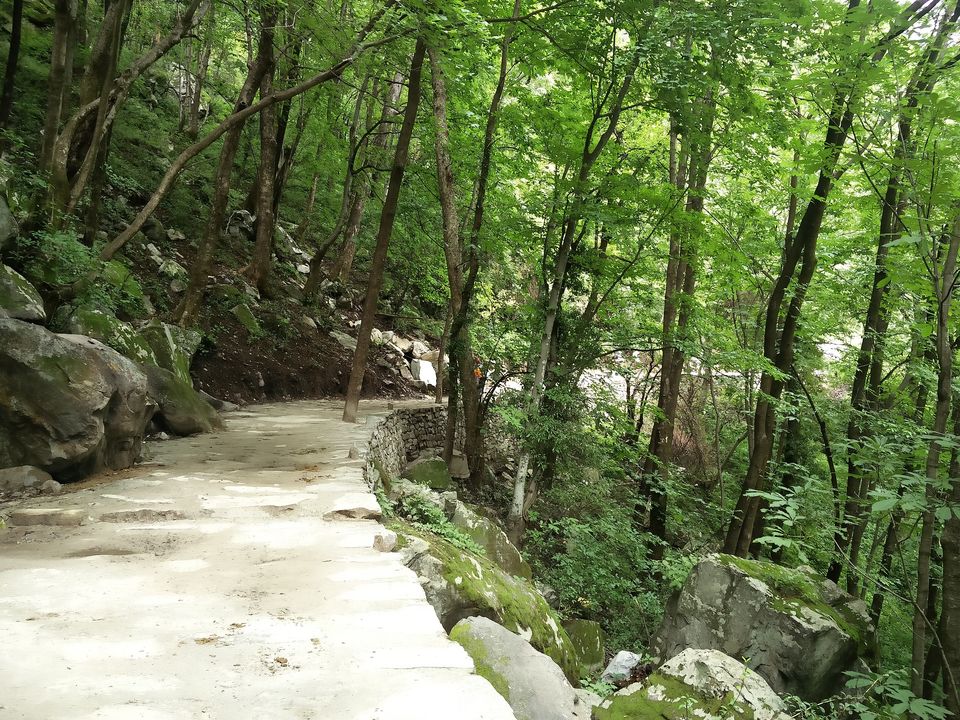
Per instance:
(459,584)
(589,640)
(173,347)
(245,317)
(798,630)
(433,473)
(667,698)
(181,410)
(103,326)
(18,298)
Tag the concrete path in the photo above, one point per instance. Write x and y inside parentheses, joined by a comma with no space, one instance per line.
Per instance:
(208,584)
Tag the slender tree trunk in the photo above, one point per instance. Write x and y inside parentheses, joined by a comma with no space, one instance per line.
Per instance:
(303,228)
(13,62)
(259,268)
(186,312)
(203,65)
(387,218)
(65,12)
(518,504)
(943,293)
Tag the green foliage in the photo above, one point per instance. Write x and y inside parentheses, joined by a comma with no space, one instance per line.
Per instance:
(872,696)
(425,515)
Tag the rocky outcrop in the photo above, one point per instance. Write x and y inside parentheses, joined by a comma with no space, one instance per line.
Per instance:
(173,347)
(18,298)
(26,479)
(106,328)
(180,409)
(490,536)
(696,683)
(588,640)
(8,225)
(796,629)
(68,404)
(431,472)
(459,584)
(530,681)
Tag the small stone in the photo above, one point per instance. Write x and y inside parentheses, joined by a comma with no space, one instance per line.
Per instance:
(47,516)
(354,453)
(385,541)
(303,269)
(51,487)
(355,506)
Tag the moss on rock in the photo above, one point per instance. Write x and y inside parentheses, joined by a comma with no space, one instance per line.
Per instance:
(511,601)
(481,660)
(668,698)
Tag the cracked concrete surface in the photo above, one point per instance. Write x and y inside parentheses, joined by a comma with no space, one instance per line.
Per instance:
(209,584)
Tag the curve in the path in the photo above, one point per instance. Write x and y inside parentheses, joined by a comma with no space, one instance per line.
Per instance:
(218,582)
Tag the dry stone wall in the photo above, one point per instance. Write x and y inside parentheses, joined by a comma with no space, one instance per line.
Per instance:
(403,435)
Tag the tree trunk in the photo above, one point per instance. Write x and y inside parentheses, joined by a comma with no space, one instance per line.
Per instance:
(203,64)
(515,518)
(387,218)
(65,12)
(259,269)
(943,293)
(186,312)
(13,61)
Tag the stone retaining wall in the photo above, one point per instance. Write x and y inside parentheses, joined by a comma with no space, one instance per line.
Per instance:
(403,434)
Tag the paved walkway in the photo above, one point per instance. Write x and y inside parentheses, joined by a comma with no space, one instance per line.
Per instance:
(208,584)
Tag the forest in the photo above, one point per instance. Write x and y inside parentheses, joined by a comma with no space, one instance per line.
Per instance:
(696,258)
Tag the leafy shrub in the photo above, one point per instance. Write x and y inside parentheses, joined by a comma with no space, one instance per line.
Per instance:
(423,514)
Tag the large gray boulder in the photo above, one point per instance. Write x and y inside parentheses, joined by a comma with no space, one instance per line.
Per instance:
(796,629)
(589,640)
(531,682)
(8,225)
(696,683)
(68,404)
(18,298)
(180,409)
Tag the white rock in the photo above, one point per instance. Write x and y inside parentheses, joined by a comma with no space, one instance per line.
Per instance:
(345,340)
(385,540)
(423,371)
(303,269)
(621,667)
(420,349)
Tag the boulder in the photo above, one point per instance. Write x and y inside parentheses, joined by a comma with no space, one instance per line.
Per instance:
(799,631)
(527,679)
(424,372)
(173,347)
(459,584)
(8,225)
(696,683)
(68,404)
(18,298)
(491,537)
(347,342)
(135,303)
(402,344)
(180,409)
(431,356)
(102,326)
(458,466)
(376,337)
(419,349)
(431,472)
(589,641)
(621,668)
(154,231)
(27,478)
(245,317)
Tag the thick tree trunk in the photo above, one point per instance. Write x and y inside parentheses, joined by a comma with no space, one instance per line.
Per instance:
(13,62)
(387,218)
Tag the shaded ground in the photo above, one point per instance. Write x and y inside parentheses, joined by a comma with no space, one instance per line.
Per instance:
(210,585)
